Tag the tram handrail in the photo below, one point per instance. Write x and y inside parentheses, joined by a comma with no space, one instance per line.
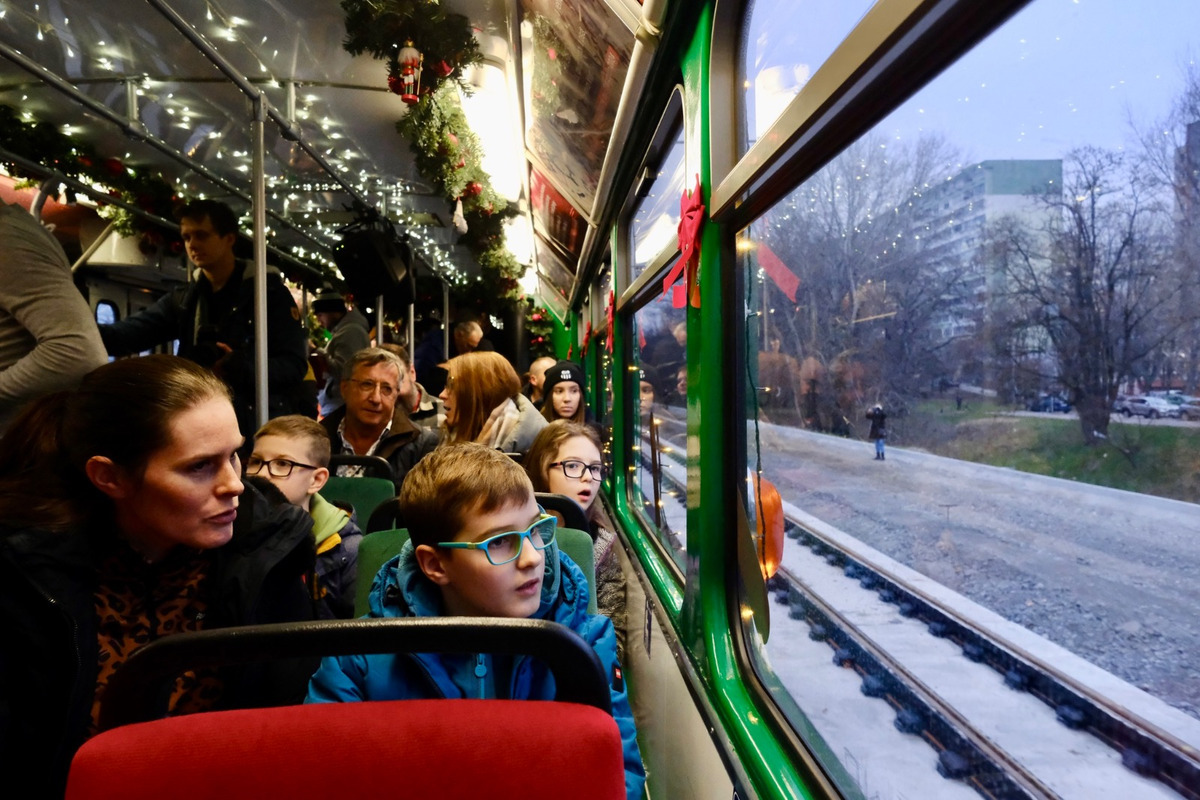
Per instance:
(132,697)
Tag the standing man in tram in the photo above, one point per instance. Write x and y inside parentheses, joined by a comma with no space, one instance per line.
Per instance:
(48,339)
(213,318)
(349,332)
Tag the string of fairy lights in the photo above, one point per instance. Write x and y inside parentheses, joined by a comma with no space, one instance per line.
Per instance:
(163,103)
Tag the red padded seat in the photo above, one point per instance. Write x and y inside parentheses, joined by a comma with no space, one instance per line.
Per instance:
(470,749)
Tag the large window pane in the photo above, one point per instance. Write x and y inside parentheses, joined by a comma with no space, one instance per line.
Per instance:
(655,222)
(997,263)
(660,429)
(785,42)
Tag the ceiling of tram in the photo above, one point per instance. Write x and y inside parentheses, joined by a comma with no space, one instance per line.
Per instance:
(124,52)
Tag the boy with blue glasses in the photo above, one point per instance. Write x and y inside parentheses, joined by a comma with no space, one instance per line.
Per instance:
(479,546)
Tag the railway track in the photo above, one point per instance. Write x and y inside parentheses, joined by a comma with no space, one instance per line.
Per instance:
(993,759)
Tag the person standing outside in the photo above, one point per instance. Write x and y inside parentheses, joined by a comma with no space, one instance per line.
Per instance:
(213,318)
(48,339)
(878,429)
(349,332)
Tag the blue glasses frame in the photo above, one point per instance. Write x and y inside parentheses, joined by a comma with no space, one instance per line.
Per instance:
(543,527)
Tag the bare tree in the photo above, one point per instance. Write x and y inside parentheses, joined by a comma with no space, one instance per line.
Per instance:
(1096,282)
(1170,161)
(869,287)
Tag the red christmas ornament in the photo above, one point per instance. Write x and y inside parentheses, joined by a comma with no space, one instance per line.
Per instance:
(114,167)
(443,69)
(394,84)
(610,313)
(472,189)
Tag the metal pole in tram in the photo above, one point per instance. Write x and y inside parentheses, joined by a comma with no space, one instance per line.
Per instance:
(412,330)
(445,320)
(258,197)
(379,320)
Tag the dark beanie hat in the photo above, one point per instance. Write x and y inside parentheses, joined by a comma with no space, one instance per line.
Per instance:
(326,302)
(562,372)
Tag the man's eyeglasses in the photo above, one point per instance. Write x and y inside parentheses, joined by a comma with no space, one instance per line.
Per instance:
(574,469)
(367,388)
(505,547)
(276,467)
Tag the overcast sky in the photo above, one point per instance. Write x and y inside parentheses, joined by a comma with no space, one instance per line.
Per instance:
(1060,74)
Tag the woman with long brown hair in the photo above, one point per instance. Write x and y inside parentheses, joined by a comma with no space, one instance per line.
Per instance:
(484,404)
(125,518)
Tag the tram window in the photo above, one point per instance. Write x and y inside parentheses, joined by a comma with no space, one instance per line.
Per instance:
(659,458)
(655,220)
(779,57)
(600,307)
(106,313)
(1071,127)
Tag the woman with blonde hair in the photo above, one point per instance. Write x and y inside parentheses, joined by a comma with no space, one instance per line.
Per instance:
(484,404)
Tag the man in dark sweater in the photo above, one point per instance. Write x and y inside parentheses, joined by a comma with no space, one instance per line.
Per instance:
(213,318)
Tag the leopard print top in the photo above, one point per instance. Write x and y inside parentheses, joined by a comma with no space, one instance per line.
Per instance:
(137,603)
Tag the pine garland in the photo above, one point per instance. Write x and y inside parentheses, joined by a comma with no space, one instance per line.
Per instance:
(547,69)
(49,146)
(381,27)
(446,152)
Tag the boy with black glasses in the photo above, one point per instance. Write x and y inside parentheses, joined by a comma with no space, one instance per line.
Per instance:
(292,452)
(479,546)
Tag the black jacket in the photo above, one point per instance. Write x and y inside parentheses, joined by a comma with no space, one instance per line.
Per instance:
(184,314)
(405,444)
(49,651)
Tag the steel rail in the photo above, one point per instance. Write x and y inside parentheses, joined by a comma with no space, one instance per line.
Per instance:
(1185,775)
(1008,767)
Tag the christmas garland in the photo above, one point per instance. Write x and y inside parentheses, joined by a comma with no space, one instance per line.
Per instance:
(382,27)
(446,152)
(47,145)
(539,328)
(546,68)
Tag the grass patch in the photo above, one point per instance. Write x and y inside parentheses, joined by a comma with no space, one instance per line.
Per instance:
(1151,459)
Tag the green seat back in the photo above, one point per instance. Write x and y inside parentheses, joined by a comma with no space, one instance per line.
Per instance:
(577,545)
(362,494)
(377,548)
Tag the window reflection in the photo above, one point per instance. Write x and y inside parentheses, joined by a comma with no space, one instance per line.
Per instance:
(779,56)
(968,265)
(656,217)
(660,430)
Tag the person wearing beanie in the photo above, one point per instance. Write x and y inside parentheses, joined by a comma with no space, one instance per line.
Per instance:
(562,389)
(349,332)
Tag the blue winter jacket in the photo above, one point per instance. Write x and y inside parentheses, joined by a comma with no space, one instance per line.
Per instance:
(400,589)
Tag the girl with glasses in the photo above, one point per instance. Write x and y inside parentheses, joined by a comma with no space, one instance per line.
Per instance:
(565,459)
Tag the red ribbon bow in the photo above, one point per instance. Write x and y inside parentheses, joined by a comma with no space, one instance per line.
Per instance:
(691,221)
(610,312)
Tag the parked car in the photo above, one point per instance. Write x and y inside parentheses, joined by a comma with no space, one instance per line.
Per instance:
(1188,407)
(1050,403)
(1149,407)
